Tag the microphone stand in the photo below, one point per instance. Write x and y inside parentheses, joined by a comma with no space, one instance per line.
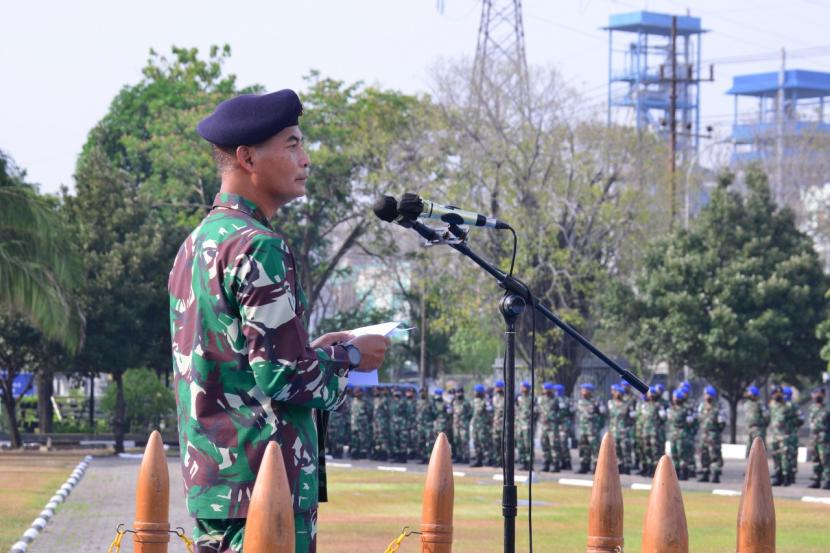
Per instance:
(516,297)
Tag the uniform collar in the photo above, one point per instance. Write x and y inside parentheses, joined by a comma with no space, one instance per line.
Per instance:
(239,203)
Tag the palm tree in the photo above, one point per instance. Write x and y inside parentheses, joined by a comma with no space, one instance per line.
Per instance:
(38,267)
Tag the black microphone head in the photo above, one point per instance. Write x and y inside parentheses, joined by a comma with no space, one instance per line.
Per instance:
(386,208)
(411,206)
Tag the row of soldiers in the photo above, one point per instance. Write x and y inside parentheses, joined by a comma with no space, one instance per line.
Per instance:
(403,427)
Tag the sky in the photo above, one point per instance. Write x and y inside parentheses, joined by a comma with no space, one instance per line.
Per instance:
(62,63)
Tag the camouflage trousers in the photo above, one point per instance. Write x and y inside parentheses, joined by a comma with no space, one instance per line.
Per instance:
(218,535)
(381,438)
(398,441)
(780,459)
(624,447)
(498,439)
(650,451)
(524,444)
(681,451)
(360,442)
(588,450)
(821,462)
(564,451)
(549,438)
(461,445)
(710,457)
(482,443)
(754,432)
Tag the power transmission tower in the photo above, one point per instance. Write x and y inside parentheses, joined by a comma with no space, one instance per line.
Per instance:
(500,62)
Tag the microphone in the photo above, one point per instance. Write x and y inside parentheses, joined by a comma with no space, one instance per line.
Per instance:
(413,206)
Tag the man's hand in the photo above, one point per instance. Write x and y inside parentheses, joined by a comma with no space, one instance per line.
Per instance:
(372,349)
(332,338)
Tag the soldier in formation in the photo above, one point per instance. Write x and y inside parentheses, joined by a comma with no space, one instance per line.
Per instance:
(337,436)
(425,415)
(361,423)
(481,428)
(398,435)
(411,413)
(565,424)
(652,417)
(549,427)
(498,422)
(591,420)
(757,417)
(443,416)
(462,413)
(524,423)
(780,427)
(682,428)
(381,425)
(712,423)
(820,439)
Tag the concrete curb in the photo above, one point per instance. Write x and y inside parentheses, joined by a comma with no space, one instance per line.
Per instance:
(48,512)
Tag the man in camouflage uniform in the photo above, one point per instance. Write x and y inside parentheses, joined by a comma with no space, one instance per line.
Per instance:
(360,441)
(462,412)
(498,422)
(411,421)
(712,423)
(564,422)
(425,416)
(481,427)
(757,417)
(653,418)
(398,436)
(778,432)
(548,429)
(820,439)
(524,422)
(681,424)
(245,373)
(630,425)
(381,424)
(443,417)
(795,420)
(617,415)
(337,436)
(591,420)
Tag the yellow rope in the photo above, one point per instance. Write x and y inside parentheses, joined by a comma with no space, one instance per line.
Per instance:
(115,546)
(188,543)
(396,543)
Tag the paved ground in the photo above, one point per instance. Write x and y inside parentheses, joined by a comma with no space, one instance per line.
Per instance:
(104,498)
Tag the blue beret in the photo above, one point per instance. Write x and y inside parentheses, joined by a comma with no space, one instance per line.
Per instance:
(753,391)
(624,383)
(660,387)
(479,388)
(499,384)
(438,391)
(525,384)
(788,392)
(710,391)
(547,386)
(679,394)
(587,386)
(617,388)
(251,118)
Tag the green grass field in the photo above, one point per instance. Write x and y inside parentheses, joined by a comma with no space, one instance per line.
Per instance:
(27,481)
(367,510)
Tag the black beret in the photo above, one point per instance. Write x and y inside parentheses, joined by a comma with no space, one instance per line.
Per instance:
(251,118)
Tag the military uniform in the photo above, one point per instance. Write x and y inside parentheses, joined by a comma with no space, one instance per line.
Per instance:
(712,423)
(564,422)
(795,421)
(591,420)
(617,425)
(244,373)
(425,415)
(820,440)
(652,423)
(443,417)
(682,423)
(411,422)
(524,423)
(757,418)
(481,429)
(360,442)
(337,436)
(381,425)
(549,428)
(398,438)
(498,425)
(461,414)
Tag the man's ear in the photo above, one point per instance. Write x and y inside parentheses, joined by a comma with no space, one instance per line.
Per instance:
(245,158)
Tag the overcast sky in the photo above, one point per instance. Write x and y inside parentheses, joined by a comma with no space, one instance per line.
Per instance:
(63,62)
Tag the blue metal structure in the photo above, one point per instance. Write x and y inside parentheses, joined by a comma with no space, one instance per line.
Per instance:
(639,73)
(804,98)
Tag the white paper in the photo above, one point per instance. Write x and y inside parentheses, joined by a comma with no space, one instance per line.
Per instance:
(370,378)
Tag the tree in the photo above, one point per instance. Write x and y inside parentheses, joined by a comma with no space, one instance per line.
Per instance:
(737,297)
(148,401)
(19,344)
(578,192)
(39,268)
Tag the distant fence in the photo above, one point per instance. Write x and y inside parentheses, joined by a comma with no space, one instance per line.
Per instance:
(270,525)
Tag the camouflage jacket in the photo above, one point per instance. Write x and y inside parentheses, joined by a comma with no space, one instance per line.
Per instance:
(244,373)
(757,416)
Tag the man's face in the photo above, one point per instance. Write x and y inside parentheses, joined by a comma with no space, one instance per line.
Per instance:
(280,166)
